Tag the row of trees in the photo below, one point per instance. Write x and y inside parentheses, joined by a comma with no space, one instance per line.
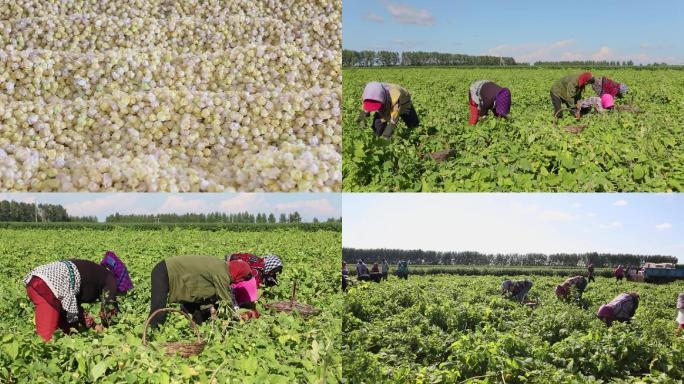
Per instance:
(22,212)
(351,255)
(388,59)
(584,63)
(215,217)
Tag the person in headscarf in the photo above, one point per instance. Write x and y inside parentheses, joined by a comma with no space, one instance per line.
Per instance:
(619,273)
(362,273)
(605,86)
(388,102)
(680,312)
(516,290)
(345,276)
(264,269)
(576,283)
(375,273)
(568,91)
(622,308)
(58,289)
(402,269)
(600,104)
(590,271)
(197,283)
(385,269)
(485,96)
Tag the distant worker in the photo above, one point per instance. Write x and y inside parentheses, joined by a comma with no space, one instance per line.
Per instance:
(605,86)
(345,277)
(600,104)
(516,290)
(485,96)
(389,102)
(385,269)
(622,308)
(680,315)
(402,269)
(375,273)
(576,283)
(362,273)
(568,90)
(590,271)
(619,273)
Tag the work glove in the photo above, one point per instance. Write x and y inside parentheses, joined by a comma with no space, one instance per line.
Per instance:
(361,118)
(389,130)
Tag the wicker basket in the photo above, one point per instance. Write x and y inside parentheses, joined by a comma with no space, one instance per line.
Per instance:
(442,155)
(184,349)
(293,306)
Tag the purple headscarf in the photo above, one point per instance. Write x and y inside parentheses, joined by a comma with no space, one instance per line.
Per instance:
(118,268)
(503,102)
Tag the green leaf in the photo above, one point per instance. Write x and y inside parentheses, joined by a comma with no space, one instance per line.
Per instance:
(98,370)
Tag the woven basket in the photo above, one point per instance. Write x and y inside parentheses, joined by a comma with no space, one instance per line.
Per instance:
(184,349)
(442,155)
(293,306)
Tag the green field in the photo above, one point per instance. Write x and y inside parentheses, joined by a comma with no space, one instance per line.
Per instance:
(276,348)
(448,329)
(615,152)
(492,270)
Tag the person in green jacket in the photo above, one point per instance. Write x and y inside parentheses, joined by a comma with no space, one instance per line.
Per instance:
(195,282)
(389,102)
(568,90)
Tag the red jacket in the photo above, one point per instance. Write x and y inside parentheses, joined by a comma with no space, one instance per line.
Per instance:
(255,262)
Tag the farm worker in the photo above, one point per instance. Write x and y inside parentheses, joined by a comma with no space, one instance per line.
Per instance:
(564,289)
(58,289)
(485,96)
(402,269)
(569,91)
(622,308)
(619,273)
(605,86)
(516,289)
(385,269)
(590,271)
(389,102)
(345,276)
(680,315)
(375,273)
(196,282)
(362,273)
(264,269)
(601,104)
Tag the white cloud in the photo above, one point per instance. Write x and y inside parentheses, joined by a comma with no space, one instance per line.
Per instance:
(620,203)
(604,53)
(591,214)
(18,197)
(178,204)
(406,44)
(576,205)
(320,208)
(374,17)
(407,14)
(243,202)
(100,205)
(663,226)
(612,225)
(551,215)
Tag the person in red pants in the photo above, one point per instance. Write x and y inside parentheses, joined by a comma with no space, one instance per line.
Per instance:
(58,289)
(485,96)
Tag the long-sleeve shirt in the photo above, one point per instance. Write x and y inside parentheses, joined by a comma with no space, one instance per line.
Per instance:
(604,85)
(593,101)
(385,267)
(196,279)
(568,89)
(483,93)
(624,306)
(397,102)
(361,270)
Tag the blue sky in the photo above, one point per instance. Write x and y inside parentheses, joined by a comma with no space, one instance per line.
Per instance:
(502,223)
(526,30)
(309,205)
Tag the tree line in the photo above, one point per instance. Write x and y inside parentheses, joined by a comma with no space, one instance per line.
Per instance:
(24,212)
(351,255)
(584,63)
(214,217)
(388,59)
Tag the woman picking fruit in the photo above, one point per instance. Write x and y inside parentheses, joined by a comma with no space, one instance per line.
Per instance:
(389,102)
(196,282)
(578,283)
(605,86)
(265,271)
(516,290)
(485,96)
(600,104)
(622,308)
(568,90)
(58,289)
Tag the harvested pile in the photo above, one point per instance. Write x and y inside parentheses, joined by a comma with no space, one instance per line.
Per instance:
(170,95)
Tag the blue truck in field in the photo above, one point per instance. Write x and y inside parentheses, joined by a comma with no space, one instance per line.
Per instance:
(661,273)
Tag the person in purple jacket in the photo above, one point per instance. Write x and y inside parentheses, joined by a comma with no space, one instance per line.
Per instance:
(485,96)
(622,308)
